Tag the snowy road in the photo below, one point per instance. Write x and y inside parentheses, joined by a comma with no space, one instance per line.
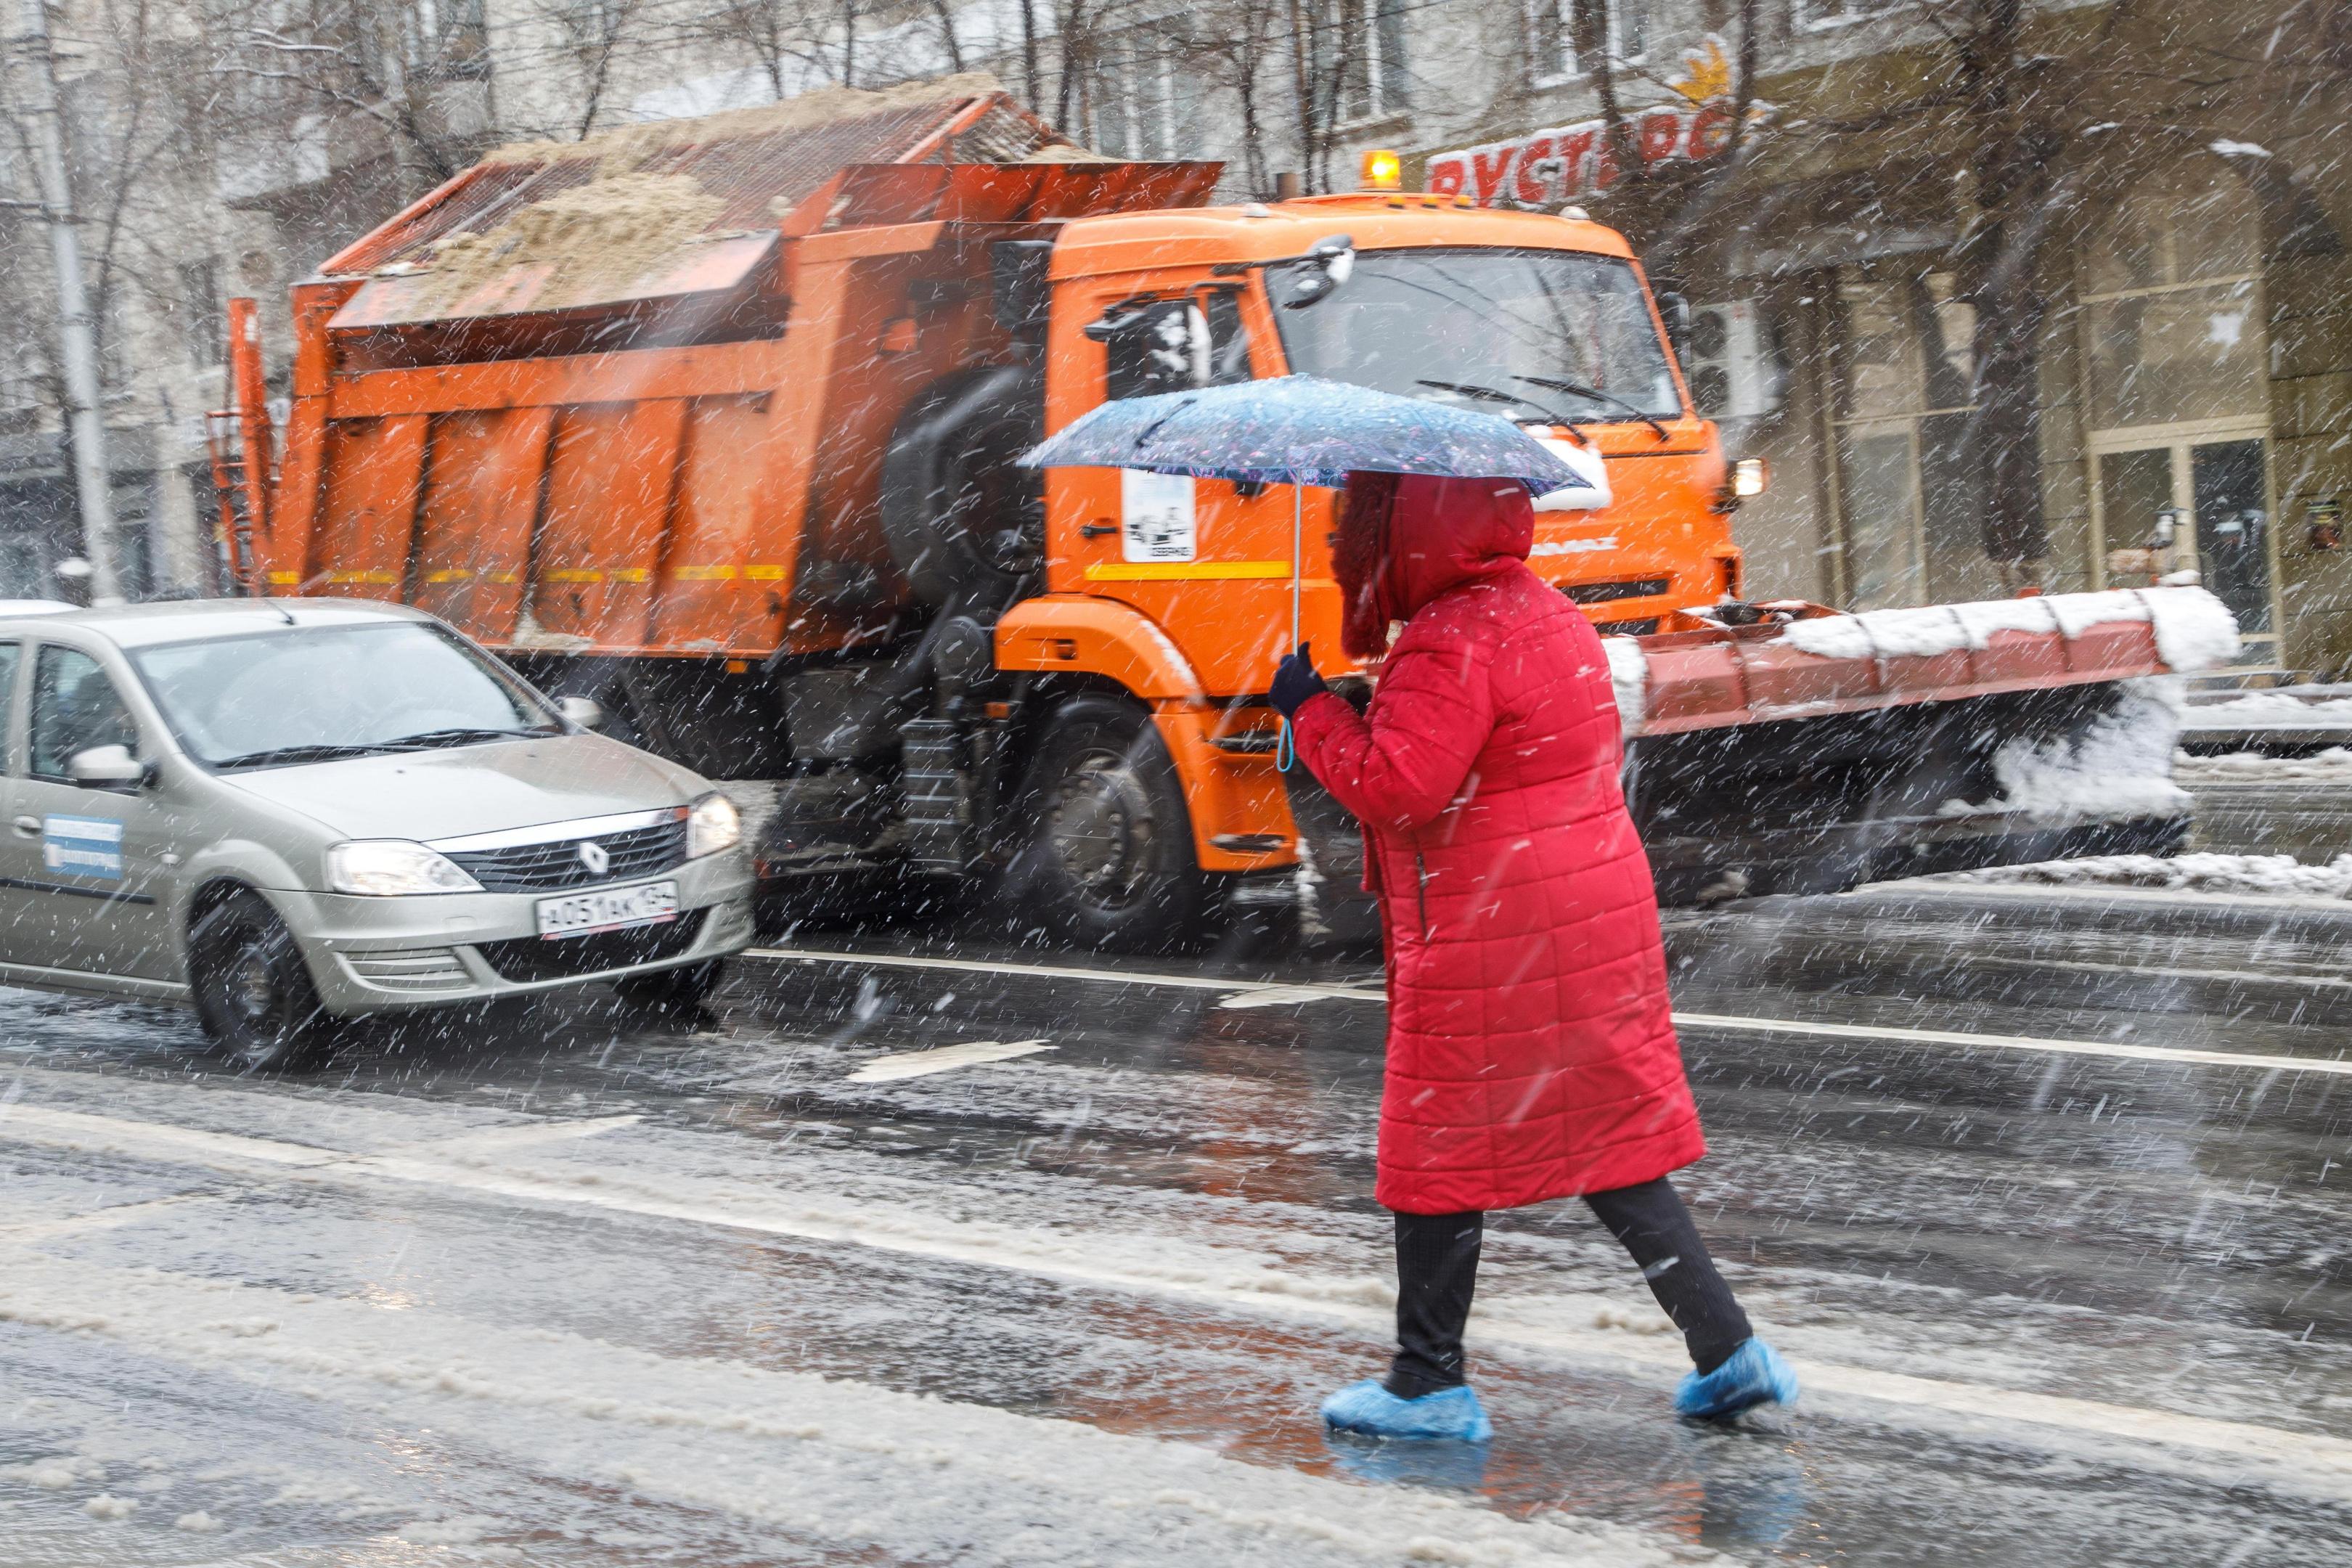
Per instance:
(926,1255)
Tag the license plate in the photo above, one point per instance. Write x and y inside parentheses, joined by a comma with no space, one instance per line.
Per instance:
(607,909)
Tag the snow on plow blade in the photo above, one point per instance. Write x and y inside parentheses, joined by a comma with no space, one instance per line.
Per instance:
(1824,751)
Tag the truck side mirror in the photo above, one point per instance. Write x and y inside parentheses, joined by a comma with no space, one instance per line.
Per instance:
(1676,309)
(1329,263)
(106,767)
(584,711)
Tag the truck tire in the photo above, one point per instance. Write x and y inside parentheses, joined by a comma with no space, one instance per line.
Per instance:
(953,495)
(1110,862)
(253,992)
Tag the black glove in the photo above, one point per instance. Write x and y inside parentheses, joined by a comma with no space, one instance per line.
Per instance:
(1295,681)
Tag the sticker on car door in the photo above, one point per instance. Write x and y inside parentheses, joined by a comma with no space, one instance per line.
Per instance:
(83,846)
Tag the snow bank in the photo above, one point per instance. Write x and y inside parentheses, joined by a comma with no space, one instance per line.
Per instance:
(2194,630)
(2120,765)
(2333,765)
(1628,675)
(2263,875)
(2278,708)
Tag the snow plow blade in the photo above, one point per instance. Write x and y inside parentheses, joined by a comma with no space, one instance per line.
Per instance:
(1826,751)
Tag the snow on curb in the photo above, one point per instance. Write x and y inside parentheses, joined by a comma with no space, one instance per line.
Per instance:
(2261,875)
(2278,708)
(841,1465)
(2333,765)
(2194,630)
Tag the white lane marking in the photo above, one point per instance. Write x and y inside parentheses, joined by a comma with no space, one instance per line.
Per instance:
(1058,971)
(930,1236)
(945,1058)
(2081,892)
(1292,995)
(1245,989)
(2234,976)
(526,1134)
(2014,1043)
(78,1130)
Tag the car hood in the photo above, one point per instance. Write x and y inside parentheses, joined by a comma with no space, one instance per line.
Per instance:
(474,789)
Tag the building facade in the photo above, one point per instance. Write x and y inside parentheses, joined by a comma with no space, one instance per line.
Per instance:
(1872,273)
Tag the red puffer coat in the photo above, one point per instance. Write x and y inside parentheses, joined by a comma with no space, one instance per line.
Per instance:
(1531,1052)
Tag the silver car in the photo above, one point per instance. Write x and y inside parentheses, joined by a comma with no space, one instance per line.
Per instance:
(287,812)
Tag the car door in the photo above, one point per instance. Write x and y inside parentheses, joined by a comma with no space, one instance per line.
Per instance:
(97,896)
(20,859)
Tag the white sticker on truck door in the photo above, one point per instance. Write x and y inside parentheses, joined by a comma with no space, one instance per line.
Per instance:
(1156,516)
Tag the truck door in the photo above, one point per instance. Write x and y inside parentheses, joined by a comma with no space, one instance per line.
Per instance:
(85,860)
(1209,562)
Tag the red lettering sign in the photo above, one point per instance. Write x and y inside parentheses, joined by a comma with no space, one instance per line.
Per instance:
(1539,179)
(1447,174)
(1561,163)
(1489,165)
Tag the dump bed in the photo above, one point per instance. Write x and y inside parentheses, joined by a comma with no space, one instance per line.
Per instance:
(631,394)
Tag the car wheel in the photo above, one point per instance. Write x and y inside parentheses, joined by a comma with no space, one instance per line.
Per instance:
(253,992)
(672,990)
(1110,862)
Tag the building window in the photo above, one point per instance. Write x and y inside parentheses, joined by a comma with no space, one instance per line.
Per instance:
(201,314)
(1357,48)
(1845,13)
(1903,397)
(2173,312)
(1551,38)
(1138,103)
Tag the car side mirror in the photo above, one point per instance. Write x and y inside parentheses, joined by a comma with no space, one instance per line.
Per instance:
(1312,278)
(584,711)
(106,767)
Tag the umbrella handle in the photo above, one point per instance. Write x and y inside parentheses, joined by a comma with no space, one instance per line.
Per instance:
(1285,749)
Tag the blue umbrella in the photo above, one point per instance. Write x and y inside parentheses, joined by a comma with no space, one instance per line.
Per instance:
(1301,430)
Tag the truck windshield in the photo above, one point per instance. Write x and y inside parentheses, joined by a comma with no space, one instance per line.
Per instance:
(1484,318)
(311,694)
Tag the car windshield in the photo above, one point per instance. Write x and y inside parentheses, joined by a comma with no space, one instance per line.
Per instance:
(315,693)
(1487,317)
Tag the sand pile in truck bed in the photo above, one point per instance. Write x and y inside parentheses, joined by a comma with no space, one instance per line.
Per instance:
(625,148)
(599,237)
(639,212)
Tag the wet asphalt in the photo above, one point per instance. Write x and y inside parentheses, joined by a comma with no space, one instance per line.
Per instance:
(2075,1288)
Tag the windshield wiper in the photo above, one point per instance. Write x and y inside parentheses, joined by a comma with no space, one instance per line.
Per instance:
(466,736)
(1577,389)
(1495,394)
(309,753)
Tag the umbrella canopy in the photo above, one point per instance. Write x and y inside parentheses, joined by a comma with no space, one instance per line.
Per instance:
(1302,430)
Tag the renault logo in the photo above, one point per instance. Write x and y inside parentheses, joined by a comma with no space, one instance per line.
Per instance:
(595,856)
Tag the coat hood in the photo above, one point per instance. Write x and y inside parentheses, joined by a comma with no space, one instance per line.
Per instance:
(1434,535)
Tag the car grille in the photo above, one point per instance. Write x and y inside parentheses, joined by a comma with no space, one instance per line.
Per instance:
(554,864)
(565,957)
(410,969)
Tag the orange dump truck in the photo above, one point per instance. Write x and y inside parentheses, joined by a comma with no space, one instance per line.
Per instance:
(717,422)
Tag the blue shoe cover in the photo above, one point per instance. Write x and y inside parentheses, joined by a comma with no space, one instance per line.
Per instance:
(1369,1409)
(1754,1376)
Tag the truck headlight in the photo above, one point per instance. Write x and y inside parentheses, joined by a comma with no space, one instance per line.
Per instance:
(713,823)
(1748,477)
(383,867)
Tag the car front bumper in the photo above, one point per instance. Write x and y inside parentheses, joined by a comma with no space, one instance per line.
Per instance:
(377,954)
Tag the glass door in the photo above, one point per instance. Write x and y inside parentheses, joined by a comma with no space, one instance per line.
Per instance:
(2231,500)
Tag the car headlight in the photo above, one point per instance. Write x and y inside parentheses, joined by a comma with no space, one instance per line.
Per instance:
(387,866)
(713,823)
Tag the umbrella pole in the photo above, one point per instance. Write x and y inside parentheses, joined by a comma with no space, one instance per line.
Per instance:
(1286,749)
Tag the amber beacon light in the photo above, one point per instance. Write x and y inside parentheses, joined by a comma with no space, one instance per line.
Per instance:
(1382,170)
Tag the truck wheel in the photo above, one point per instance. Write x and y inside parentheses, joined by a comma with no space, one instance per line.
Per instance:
(1109,863)
(253,992)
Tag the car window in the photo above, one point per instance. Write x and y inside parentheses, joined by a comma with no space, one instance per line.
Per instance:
(74,707)
(9,656)
(1172,345)
(308,694)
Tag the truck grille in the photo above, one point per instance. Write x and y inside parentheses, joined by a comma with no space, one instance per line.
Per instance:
(529,958)
(554,864)
(1630,588)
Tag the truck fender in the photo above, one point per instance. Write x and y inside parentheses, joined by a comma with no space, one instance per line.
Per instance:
(1241,814)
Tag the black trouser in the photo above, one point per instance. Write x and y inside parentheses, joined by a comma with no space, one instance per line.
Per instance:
(1437,1270)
